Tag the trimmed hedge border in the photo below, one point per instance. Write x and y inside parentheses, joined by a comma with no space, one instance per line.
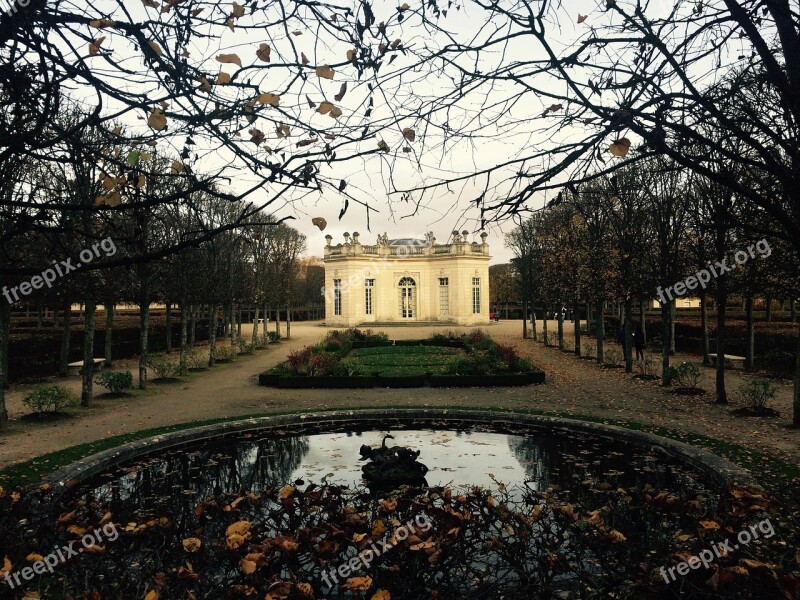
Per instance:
(299,382)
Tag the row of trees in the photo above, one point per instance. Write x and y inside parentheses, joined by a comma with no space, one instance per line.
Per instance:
(177,245)
(631,236)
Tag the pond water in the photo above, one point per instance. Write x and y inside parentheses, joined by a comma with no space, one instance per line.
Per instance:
(457,459)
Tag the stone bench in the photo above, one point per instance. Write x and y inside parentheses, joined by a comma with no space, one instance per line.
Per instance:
(731,361)
(76,368)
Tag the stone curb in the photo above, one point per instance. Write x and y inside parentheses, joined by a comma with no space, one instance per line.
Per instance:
(722,472)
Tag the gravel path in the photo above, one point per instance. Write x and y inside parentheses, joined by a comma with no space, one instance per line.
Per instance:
(573,386)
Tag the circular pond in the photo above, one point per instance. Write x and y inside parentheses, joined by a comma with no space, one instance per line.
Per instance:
(508,509)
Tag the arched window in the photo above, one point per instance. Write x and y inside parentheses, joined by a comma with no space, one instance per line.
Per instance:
(408,298)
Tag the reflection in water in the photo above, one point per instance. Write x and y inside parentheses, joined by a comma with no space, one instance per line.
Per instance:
(176,479)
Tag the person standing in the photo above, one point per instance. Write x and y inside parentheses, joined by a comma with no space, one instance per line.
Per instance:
(638,342)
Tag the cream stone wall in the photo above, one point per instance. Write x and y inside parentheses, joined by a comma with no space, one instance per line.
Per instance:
(390,261)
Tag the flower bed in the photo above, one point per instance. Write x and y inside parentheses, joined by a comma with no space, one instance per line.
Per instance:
(357,359)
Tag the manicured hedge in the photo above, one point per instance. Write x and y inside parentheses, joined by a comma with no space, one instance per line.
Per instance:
(417,381)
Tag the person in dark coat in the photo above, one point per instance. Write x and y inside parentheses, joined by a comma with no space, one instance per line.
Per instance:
(638,342)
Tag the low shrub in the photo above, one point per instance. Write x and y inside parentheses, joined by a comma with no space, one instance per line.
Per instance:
(162,365)
(226,354)
(686,374)
(195,359)
(49,399)
(298,360)
(756,393)
(611,357)
(116,383)
(471,364)
(322,363)
(506,355)
(274,337)
(244,346)
(648,367)
(590,350)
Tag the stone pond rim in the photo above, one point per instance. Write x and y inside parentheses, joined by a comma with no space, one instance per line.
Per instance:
(719,470)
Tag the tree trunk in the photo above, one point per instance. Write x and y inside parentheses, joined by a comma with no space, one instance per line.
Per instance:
(63,369)
(577,320)
(628,341)
(184,334)
(192,325)
(524,319)
(722,396)
(88,351)
(544,326)
(796,402)
(589,314)
(749,359)
(793,309)
(5,340)
(239,322)
(40,316)
(642,321)
(234,345)
(255,325)
(768,310)
(212,335)
(672,307)
(144,339)
(600,331)
(704,327)
(109,334)
(278,320)
(666,342)
(560,329)
(5,329)
(288,320)
(169,326)
(266,318)
(532,305)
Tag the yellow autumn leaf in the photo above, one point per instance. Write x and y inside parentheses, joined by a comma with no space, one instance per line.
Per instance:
(151,595)
(238,10)
(336,112)
(286,492)
(358,584)
(140,181)
(155,47)
(248,567)
(33,557)
(325,107)
(94,47)
(324,72)
(157,120)
(709,525)
(229,59)
(409,134)
(351,54)
(101,23)
(263,52)
(381,595)
(109,182)
(383,146)
(620,147)
(239,528)
(177,167)
(223,78)
(192,544)
(271,99)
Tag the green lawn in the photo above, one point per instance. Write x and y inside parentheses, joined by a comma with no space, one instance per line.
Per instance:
(403,361)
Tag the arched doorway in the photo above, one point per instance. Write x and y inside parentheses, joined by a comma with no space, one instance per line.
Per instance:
(408,298)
